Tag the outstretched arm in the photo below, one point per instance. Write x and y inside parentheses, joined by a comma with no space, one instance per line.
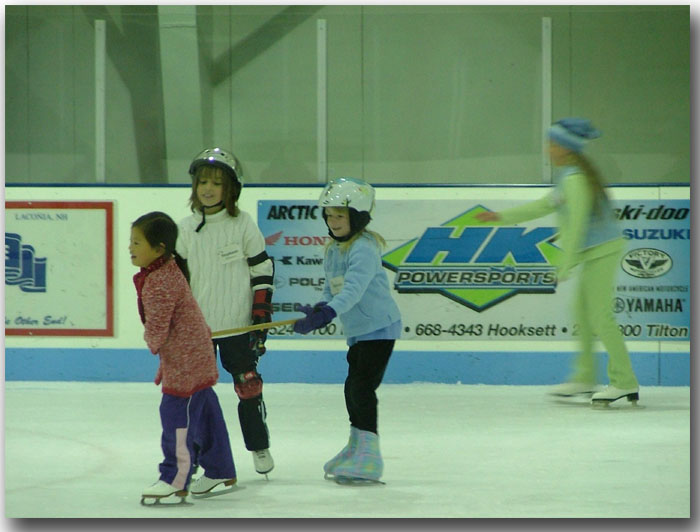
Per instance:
(521,213)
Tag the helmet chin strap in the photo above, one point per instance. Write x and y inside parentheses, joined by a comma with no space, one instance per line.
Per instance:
(204,214)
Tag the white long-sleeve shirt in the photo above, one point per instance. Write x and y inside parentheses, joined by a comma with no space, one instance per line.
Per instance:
(227,263)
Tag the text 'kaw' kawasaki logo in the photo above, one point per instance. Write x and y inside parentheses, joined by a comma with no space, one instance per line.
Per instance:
(475,264)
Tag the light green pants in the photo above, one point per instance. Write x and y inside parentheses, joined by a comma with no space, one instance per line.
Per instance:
(593,312)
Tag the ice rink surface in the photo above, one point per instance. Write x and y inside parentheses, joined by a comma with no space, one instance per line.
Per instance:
(450,451)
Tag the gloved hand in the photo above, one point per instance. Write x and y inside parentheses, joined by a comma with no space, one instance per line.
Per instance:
(256,341)
(308,309)
(318,316)
(261,313)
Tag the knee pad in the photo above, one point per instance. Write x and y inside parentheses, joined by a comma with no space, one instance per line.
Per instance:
(248,385)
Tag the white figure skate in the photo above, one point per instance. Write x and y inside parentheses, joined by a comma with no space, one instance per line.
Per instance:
(612,394)
(204,486)
(263,461)
(160,491)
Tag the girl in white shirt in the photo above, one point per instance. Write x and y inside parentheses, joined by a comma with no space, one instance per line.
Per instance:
(231,277)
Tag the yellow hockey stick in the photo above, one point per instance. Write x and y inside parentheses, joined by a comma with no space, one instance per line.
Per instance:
(256,327)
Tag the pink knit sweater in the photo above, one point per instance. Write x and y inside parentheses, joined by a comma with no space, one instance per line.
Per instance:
(176,330)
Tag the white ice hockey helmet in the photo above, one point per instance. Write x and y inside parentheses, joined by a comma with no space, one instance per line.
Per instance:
(221,158)
(348,192)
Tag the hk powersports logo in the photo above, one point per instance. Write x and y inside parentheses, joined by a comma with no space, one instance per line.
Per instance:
(474,264)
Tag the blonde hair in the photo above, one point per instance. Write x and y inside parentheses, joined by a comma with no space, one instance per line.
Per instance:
(230,193)
(344,246)
(595,181)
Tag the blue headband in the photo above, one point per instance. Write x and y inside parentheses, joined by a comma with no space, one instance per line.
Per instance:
(573,133)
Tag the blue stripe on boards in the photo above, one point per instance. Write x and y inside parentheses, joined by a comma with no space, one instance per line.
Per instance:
(466,367)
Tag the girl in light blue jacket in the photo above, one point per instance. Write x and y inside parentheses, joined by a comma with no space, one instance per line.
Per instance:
(357,291)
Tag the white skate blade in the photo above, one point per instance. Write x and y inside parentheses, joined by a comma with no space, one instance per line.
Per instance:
(355,481)
(164,501)
(216,491)
(604,405)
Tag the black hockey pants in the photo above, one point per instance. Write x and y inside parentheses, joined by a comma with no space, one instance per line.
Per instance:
(237,358)
(366,364)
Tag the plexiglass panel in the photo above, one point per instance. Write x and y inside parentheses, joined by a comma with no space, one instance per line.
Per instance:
(410,94)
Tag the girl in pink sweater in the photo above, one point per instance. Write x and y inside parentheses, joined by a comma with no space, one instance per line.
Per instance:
(194,430)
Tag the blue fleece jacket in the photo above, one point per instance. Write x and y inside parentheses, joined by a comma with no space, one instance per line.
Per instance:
(357,288)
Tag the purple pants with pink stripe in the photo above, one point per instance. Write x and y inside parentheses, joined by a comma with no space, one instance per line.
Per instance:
(194,432)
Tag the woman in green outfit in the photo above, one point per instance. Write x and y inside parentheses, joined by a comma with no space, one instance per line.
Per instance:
(588,235)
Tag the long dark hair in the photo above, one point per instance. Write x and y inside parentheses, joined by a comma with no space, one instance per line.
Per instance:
(159,228)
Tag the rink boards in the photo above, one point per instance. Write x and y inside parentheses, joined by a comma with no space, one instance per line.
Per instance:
(90,330)
(329,366)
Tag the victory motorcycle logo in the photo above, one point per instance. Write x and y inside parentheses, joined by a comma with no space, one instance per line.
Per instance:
(475,264)
(646,263)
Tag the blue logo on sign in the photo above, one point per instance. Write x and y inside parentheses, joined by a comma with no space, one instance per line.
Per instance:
(22,267)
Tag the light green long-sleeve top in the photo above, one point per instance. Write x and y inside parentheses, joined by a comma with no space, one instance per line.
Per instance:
(583,234)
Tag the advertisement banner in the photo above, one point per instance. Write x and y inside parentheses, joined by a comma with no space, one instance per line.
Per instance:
(58,268)
(454,278)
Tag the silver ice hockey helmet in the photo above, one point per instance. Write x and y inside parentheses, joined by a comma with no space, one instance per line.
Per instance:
(223,159)
(348,192)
